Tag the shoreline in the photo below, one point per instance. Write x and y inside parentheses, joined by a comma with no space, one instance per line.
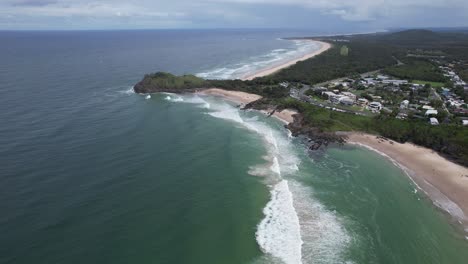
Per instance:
(243,98)
(268,71)
(444,182)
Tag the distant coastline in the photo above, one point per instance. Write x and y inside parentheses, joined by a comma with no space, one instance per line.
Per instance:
(264,72)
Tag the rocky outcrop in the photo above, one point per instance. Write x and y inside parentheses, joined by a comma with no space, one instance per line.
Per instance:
(316,138)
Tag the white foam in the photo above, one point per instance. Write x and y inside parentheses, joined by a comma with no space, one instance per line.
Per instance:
(264,61)
(148,96)
(275,167)
(324,237)
(173,98)
(278,233)
(291,211)
(128,91)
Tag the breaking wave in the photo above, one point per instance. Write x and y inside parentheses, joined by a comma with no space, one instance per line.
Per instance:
(257,63)
(296,228)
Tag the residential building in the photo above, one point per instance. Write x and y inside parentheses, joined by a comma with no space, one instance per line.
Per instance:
(431,112)
(404,104)
(433,121)
(362,101)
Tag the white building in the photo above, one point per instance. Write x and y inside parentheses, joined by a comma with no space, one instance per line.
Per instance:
(427,107)
(345,100)
(349,95)
(375,106)
(433,121)
(404,104)
(431,112)
(396,82)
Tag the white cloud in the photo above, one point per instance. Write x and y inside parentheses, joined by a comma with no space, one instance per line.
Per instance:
(223,11)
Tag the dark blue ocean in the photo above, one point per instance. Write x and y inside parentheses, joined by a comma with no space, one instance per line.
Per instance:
(92,173)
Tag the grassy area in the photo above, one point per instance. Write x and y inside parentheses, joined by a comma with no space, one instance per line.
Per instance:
(433,84)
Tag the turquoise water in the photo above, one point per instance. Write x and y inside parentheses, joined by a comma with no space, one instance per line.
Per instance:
(93,173)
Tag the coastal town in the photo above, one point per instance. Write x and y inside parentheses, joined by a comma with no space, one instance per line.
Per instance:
(373,93)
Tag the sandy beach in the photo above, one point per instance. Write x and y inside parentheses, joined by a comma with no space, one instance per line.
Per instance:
(243,98)
(325,46)
(234,96)
(445,182)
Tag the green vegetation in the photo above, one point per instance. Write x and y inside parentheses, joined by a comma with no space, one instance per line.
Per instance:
(166,82)
(416,69)
(362,57)
(450,140)
(344,51)
(162,81)
(463,72)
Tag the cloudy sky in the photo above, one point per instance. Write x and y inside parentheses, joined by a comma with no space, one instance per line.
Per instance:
(311,14)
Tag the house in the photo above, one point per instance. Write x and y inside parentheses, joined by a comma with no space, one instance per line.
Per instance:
(461,111)
(431,112)
(382,77)
(329,94)
(427,107)
(402,116)
(333,97)
(404,104)
(375,106)
(336,99)
(433,121)
(395,82)
(376,98)
(362,101)
(345,100)
(349,95)
(465,122)
(369,81)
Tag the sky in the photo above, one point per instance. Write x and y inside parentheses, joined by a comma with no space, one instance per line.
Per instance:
(325,15)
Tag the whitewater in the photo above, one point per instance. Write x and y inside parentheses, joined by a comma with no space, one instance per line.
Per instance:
(253,64)
(296,228)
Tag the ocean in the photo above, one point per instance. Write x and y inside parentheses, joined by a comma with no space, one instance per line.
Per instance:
(94,173)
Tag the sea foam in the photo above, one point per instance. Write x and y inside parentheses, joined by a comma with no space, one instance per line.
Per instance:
(279,232)
(296,227)
(257,63)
